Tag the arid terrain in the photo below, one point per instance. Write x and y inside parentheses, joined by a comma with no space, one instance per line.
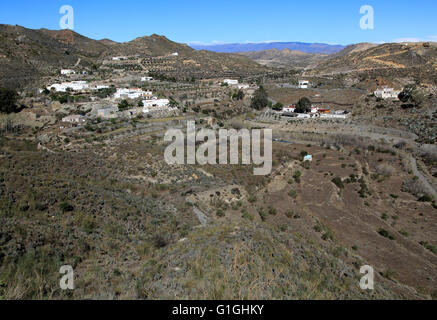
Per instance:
(84,182)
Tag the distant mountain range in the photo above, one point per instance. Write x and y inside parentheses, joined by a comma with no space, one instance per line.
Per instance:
(318,48)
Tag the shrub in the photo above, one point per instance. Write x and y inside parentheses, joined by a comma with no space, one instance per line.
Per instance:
(425,198)
(252,199)
(428,246)
(220,213)
(297,176)
(328,236)
(292,194)
(404,233)
(273,211)
(385,170)
(66,207)
(8,99)
(385,234)
(338,182)
(414,187)
(262,214)
(159,241)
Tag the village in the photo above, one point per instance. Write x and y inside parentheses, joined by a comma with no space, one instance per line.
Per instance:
(129,95)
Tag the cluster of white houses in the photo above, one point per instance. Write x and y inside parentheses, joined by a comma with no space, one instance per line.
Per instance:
(73,86)
(134,93)
(316,112)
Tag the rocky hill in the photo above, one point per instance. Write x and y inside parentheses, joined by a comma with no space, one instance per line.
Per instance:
(413,61)
(26,55)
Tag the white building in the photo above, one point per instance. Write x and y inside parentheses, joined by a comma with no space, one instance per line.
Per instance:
(67,72)
(77,119)
(243,86)
(387,93)
(144,79)
(74,86)
(175,54)
(155,102)
(135,93)
(230,82)
(303,84)
(102,87)
(289,109)
(314,109)
(119,58)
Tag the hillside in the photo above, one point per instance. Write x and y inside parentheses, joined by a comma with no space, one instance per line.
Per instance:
(126,221)
(413,61)
(285,58)
(26,55)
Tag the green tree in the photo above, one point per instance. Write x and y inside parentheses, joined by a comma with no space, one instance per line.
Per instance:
(259,100)
(238,95)
(123,105)
(8,100)
(303,106)
(412,95)
(278,106)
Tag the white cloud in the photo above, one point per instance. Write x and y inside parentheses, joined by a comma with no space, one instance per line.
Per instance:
(429,38)
(212,43)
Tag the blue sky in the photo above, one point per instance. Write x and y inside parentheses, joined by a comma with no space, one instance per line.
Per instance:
(207,21)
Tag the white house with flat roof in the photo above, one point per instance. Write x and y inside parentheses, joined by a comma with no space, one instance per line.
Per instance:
(243,86)
(230,82)
(387,93)
(150,103)
(135,93)
(67,72)
(303,84)
(74,86)
(289,109)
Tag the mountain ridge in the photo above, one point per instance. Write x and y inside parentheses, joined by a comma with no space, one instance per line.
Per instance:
(28,54)
(321,48)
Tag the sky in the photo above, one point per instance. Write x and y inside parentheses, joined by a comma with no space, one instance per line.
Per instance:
(233,21)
